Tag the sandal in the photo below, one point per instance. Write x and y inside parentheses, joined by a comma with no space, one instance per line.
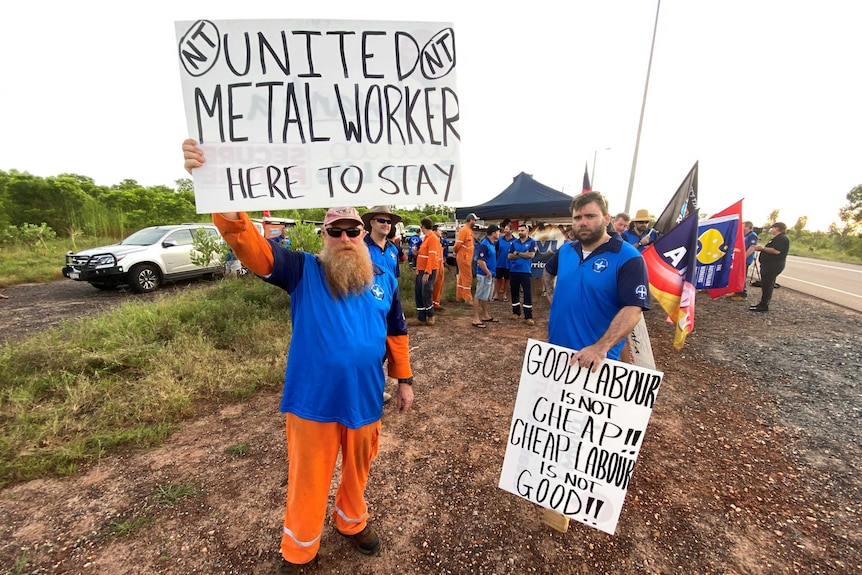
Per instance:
(490,319)
(480,325)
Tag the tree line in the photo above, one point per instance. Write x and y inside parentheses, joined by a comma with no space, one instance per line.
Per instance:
(71,205)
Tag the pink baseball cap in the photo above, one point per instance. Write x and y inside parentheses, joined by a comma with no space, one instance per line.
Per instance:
(335,214)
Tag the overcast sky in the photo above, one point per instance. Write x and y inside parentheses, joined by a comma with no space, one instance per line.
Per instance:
(764,94)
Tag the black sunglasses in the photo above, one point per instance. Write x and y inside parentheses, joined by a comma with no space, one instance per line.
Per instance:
(336,232)
(382,221)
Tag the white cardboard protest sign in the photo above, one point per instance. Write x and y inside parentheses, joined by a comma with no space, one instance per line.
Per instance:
(576,434)
(319,113)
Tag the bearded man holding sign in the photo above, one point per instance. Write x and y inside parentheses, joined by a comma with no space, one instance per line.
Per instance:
(347,318)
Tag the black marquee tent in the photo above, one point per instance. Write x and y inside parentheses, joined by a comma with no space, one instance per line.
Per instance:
(525,199)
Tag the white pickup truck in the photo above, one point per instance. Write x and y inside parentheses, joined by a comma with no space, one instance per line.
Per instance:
(143,261)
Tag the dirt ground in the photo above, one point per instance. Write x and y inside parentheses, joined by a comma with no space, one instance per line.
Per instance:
(750,464)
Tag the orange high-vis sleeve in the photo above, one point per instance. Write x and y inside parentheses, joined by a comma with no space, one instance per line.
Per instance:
(436,248)
(250,247)
(398,355)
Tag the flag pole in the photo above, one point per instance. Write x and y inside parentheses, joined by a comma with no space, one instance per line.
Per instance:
(641,120)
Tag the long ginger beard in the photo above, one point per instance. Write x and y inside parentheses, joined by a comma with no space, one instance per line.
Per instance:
(347,268)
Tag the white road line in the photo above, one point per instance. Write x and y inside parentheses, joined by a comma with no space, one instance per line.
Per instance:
(831,267)
(821,286)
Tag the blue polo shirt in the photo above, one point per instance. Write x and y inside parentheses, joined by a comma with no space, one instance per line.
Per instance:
(522,265)
(503,252)
(750,240)
(488,254)
(338,343)
(386,258)
(633,238)
(590,293)
(413,243)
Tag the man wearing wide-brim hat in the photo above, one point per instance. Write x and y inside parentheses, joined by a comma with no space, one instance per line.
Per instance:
(640,235)
(379,222)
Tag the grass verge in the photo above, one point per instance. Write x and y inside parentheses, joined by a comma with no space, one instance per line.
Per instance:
(21,264)
(127,378)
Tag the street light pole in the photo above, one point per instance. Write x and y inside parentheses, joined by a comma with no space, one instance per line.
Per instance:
(641,121)
(593,175)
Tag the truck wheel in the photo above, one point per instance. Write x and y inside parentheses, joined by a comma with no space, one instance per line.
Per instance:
(144,278)
(103,287)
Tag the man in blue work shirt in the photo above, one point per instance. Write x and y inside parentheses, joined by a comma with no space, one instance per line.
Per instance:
(601,286)
(379,221)
(522,250)
(413,244)
(503,242)
(486,265)
(640,235)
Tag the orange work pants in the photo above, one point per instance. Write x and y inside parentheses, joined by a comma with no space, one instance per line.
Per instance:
(312,451)
(465,276)
(437,290)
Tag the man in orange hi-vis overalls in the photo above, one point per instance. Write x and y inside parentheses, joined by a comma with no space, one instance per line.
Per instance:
(427,268)
(437,292)
(347,317)
(464,245)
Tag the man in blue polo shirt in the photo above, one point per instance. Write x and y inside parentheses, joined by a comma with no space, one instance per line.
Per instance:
(379,221)
(503,242)
(486,266)
(413,244)
(640,235)
(601,286)
(521,253)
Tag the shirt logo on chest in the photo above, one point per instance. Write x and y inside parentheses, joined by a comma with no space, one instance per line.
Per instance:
(600,265)
(377,292)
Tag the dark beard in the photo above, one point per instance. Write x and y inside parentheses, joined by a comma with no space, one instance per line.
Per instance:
(589,237)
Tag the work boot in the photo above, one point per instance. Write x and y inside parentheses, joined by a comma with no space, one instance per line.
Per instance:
(431,320)
(415,322)
(516,316)
(531,322)
(366,541)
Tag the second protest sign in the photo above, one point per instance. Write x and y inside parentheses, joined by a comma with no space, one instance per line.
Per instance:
(575,434)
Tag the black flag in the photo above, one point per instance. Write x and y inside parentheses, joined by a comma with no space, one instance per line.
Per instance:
(683,202)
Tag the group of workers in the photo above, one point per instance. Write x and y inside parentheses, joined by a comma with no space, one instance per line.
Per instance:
(348,323)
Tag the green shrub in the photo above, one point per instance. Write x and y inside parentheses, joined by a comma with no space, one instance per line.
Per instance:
(304,238)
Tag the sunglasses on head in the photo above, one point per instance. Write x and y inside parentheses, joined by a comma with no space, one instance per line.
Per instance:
(336,232)
(382,221)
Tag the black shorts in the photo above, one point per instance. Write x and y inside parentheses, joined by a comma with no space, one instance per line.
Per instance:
(502,273)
